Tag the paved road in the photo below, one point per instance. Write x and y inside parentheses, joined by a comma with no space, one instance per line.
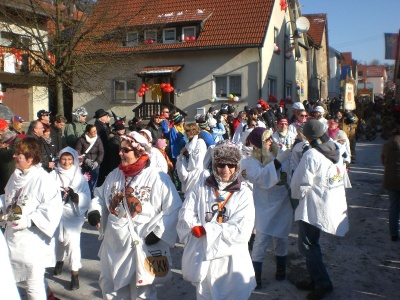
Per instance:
(364,264)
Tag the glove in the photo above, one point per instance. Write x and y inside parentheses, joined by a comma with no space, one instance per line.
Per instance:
(151,239)
(23,223)
(94,217)
(88,162)
(282,156)
(198,231)
(74,197)
(95,165)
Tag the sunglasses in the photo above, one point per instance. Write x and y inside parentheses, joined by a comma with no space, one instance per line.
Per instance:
(222,166)
(125,150)
(303,115)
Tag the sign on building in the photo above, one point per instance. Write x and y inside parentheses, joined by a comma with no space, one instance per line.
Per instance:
(349,102)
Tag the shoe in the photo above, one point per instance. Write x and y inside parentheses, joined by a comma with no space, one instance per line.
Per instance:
(317,294)
(280,273)
(394,238)
(58,268)
(305,285)
(74,282)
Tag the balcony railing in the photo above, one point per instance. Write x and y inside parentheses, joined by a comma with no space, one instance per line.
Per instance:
(146,110)
(27,64)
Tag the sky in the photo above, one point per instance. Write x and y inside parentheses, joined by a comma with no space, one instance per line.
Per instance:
(358,26)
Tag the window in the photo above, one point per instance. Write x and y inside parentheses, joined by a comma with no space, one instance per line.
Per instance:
(132,38)
(271,86)
(10,39)
(360,73)
(150,35)
(169,36)
(225,85)
(276,34)
(288,90)
(124,90)
(188,32)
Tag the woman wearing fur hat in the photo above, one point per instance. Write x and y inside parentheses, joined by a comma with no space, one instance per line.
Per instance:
(318,184)
(76,199)
(135,197)
(268,170)
(215,223)
(76,129)
(189,163)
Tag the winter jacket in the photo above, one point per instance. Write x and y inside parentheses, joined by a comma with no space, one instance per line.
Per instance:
(391,160)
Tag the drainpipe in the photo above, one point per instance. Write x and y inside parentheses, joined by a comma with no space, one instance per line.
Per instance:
(260,74)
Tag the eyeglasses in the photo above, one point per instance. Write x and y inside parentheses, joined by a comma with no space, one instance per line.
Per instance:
(125,150)
(303,116)
(188,131)
(222,166)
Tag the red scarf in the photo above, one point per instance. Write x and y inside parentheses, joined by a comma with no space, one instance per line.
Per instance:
(332,132)
(134,169)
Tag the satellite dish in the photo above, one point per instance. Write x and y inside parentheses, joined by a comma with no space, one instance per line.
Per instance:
(302,24)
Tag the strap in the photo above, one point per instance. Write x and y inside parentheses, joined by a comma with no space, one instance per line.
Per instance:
(221,204)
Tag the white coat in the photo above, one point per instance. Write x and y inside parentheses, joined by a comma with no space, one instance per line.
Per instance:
(285,141)
(318,185)
(160,206)
(274,213)
(221,262)
(190,169)
(158,161)
(40,199)
(7,281)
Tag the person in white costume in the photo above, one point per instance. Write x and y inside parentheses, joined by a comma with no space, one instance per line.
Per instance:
(157,160)
(215,224)
(76,198)
(267,169)
(282,135)
(190,162)
(318,184)
(7,280)
(33,205)
(149,199)
(300,146)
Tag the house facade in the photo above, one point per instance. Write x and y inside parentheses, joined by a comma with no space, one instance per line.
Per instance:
(335,68)
(206,54)
(375,75)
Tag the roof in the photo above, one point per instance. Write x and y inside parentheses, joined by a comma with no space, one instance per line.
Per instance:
(317,27)
(348,58)
(158,70)
(372,71)
(223,25)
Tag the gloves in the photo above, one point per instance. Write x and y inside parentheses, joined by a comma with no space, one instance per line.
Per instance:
(74,197)
(95,164)
(94,217)
(198,231)
(23,223)
(282,156)
(151,239)
(89,162)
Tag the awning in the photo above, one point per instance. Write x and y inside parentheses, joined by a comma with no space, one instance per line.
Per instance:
(159,70)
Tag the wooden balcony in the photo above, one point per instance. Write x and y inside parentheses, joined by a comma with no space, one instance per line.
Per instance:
(146,110)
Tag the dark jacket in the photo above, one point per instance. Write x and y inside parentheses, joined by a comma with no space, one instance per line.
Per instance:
(114,144)
(391,160)
(96,153)
(156,132)
(48,152)
(269,119)
(57,138)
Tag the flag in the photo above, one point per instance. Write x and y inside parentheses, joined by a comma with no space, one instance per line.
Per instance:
(391,45)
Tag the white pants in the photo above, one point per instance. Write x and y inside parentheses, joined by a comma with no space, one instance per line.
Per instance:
(36,286)
(261,244)
(72,249)
(128,292)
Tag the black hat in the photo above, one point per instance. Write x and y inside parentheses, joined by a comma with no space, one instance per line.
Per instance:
(100,113)
(231,109)
(118,126)
(43,112)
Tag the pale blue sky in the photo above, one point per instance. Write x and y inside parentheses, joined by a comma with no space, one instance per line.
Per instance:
(358,26)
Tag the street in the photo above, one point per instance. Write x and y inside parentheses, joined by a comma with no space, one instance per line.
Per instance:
(364,264)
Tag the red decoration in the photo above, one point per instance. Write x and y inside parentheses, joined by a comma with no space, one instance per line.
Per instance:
(143,85)
(162,85)
(283,5)
(186,39)
(192,38)
(272,98)
(263,104)
(289,100)
(140,94)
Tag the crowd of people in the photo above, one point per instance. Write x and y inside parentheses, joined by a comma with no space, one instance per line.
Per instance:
(227,186)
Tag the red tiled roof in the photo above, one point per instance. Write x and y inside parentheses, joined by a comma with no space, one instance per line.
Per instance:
(236,23)
(372,71)
(348,58)
(317,27)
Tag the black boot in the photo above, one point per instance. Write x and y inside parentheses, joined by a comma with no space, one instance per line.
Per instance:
(280,268)
(58,268)
(251,242)
(74,280)
(258,270)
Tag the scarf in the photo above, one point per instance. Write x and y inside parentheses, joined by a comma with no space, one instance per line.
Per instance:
(21,178)
(90,140)
(135,168)
(180,128)
(47,140)
(333,132)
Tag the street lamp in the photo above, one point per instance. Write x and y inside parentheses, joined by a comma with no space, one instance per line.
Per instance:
(302,25)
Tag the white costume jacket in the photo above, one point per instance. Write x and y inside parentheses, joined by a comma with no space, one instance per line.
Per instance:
(157,160)
(219,260)
(318,184)
(160,206)
(40,199)
(189,170)
(274,213)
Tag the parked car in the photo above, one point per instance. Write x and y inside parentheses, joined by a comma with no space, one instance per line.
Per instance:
(6,113)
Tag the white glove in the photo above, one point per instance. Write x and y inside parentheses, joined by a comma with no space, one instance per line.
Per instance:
(23,223)
(88,162)
(282,156)
(95,165)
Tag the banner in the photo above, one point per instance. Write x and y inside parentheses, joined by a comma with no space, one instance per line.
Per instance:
(391,45)
(349,102)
